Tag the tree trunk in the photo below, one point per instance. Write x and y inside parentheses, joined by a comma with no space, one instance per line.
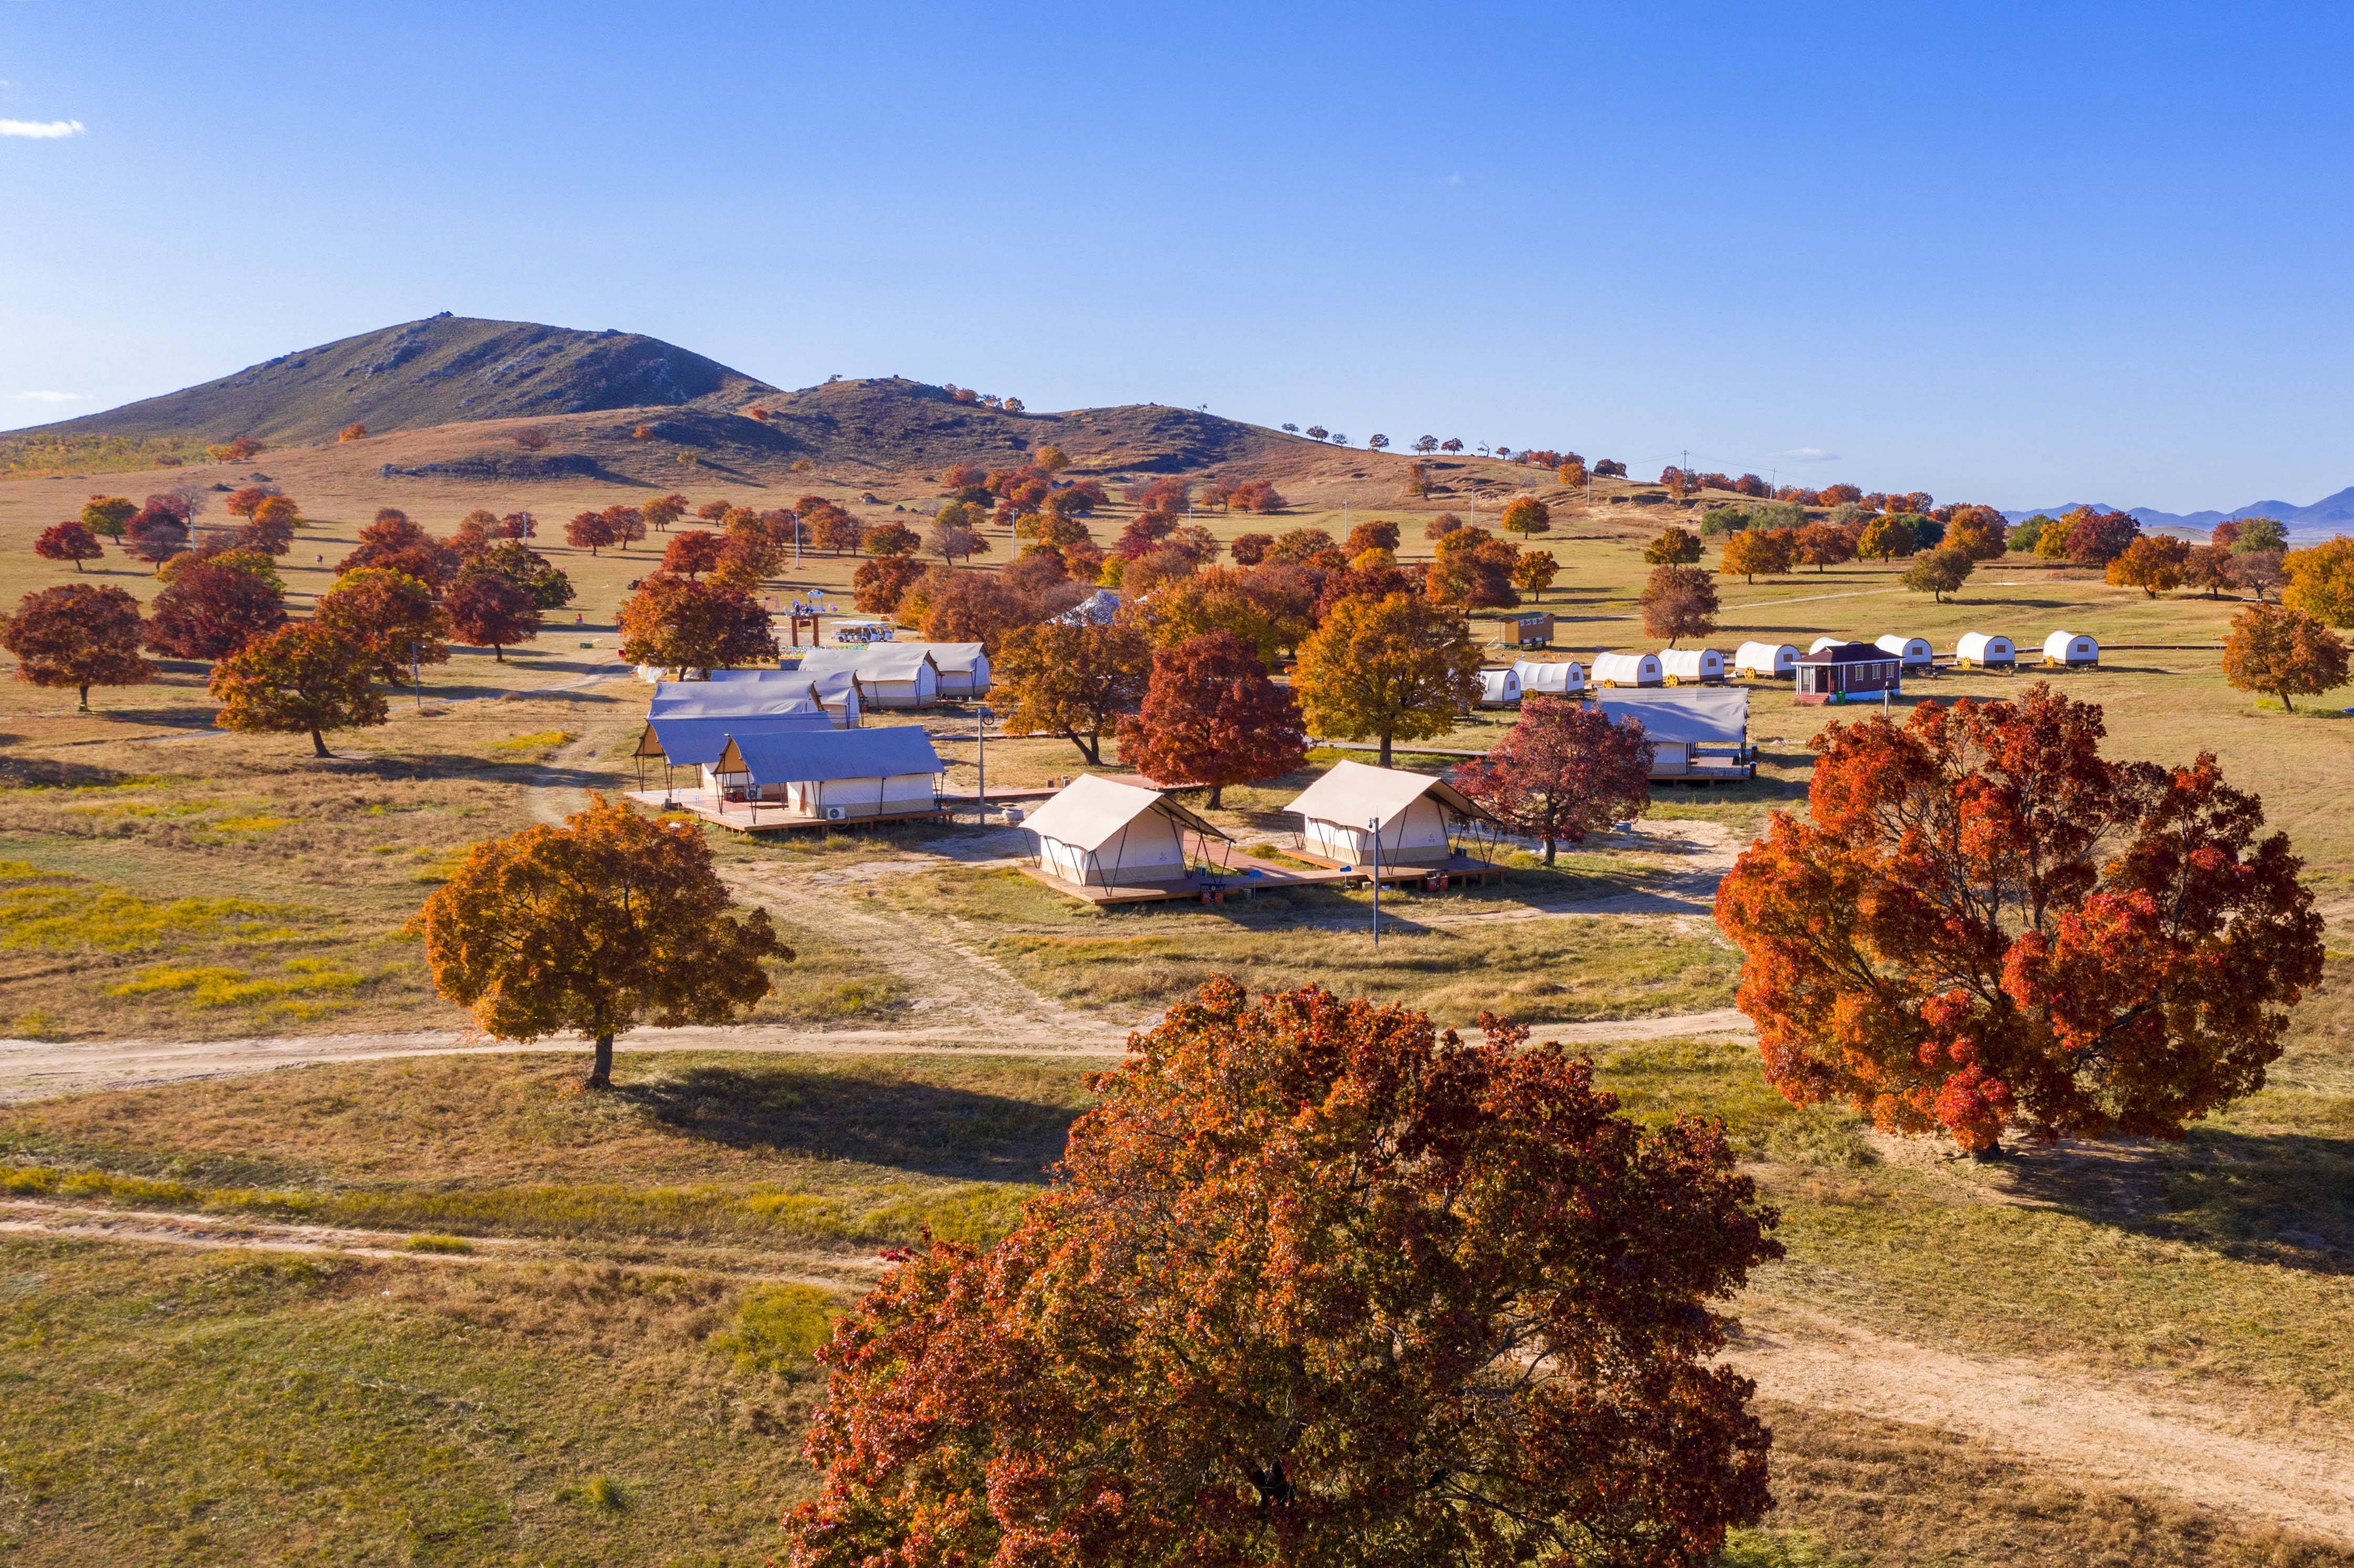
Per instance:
(319,743)
(85,697)
(498,653)
(2287,707)
(1218,792)
(1385,748)
(1548,850)
(600,1070)
(1090,746)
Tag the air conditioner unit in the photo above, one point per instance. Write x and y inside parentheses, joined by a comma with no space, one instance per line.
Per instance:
(836,813)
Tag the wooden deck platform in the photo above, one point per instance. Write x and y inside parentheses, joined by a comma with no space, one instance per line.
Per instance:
(1246,877)
(1455,871)
(767,817)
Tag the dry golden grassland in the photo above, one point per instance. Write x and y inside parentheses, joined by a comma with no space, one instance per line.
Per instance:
(627,1287)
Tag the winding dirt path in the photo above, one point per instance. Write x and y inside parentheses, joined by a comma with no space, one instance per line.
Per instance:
(2145,1436)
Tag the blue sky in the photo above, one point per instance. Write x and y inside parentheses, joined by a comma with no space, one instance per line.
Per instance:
(2017,254)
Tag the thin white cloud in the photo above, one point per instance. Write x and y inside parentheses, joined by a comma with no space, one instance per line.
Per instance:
(50,396)
(41,130)
(1804,454)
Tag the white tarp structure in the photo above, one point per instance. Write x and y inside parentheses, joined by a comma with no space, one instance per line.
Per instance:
(1099,832)
(963,667)
(889,674)
(1718,717)
(1688,664)
(1912,653)
(836,775)
(1339,812)
(1499,686)
(1985,650)
(760,692)
(1626,669)
(1098,609)
(2071,648)
(1553,678)
(1819,643)
(1769,661)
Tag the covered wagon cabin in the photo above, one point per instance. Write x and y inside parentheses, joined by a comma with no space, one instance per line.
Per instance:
(889,674)
(2071,650)
(1099,839)
(1766,661)
(1846,673)
(1691,666)
(790,778)
(1626,669)
(1498,688)
(1984,650)
(1912,653)
(1357,812)
(1553,678)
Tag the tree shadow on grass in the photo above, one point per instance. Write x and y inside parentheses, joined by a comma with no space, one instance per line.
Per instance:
(2277,1198)
(916,1127)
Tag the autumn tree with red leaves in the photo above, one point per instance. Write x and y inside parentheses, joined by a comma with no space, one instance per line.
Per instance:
(486,610)
(1679,602)
(1562,771)
(210,608)
(78,635)
(394,543)
(67,541)
(590,531)
(1982,925)
(1319,1285)
(1211,715)
(877,586)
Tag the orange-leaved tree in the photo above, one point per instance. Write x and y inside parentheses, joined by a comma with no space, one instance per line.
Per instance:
(488,611)
(298,680)
(1071,681)
(2285,652)
(1316,1276)
(1677,602)
(1534,571)
(2152,563)
(78,635)
(390,614)
(593,926)
(1755,550)
(1981,924)
(1211,715)
(1399,668)
(677,625)
(1562,771)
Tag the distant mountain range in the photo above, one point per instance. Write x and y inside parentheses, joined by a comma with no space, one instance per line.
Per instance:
(2330,515)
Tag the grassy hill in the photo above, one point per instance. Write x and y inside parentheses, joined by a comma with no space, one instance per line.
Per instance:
(442,370)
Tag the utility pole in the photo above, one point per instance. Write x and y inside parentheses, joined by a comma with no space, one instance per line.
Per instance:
(980,746)
(417,676)
(1374,828)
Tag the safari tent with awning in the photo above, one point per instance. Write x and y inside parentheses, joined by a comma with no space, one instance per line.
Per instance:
(1356,809)
(889,674)
(1100,833)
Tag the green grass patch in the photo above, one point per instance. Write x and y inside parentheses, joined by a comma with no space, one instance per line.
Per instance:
(69,915)
(778,1328)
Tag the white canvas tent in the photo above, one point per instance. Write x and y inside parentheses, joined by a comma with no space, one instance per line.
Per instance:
(1767,660)
(1498,687)
(1912,653)
(1556,678)
(1681,666)
(889,674)
(2071,648)
(1338,815)
(835,775)
(1099,832)
(1626,669)
(1984,650)
(963,667)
